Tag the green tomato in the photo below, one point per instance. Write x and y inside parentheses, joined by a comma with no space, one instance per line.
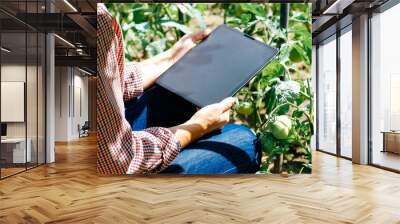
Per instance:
(245,108)
(281,127)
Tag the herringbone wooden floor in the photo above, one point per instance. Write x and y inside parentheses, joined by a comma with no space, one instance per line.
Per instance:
(70,191)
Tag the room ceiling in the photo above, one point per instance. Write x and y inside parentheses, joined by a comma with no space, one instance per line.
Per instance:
(327,13)
(74,22)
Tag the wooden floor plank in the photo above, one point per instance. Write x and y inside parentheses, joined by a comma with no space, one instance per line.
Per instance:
(70,191)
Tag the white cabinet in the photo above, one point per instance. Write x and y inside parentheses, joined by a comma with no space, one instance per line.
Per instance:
(13,150)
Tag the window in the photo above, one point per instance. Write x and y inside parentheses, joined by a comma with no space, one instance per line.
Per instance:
(346,92)
(385,89)
(314,89)
(327,96)
(22,101)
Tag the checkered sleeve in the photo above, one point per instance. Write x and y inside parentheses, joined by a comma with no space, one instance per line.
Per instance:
(132,81)
(156,149)
(121,150)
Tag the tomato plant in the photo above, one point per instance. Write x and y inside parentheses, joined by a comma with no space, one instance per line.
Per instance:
(278,103)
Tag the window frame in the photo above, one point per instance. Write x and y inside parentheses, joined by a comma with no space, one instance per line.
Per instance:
(379,10)
(332,37)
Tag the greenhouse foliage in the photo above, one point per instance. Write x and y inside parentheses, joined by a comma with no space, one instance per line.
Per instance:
(278,103)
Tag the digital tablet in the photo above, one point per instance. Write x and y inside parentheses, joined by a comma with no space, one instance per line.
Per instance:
(217,67)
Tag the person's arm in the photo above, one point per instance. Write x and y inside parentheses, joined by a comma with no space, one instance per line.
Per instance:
(158,146)
(133,81)
(153,67)
(155,148)
(141,75)
(121,150)
(206,120)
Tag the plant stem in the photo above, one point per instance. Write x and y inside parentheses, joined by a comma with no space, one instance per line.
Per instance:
(171,18)
(305,113)
(301,170)
(272,113)
(259,119)
(305,94)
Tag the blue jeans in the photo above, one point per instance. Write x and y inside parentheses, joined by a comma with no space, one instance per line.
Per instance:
(232,149)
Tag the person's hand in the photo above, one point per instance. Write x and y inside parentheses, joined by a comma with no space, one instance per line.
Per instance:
(205,120)
(153,67)
(214,116)
(186,43)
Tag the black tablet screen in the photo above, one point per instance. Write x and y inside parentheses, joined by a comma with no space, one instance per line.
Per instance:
(217,67)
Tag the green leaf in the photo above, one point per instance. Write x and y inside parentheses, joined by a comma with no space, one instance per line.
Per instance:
(174,24)
(245,18)
(283,110)
(307,43)
(191,11)
(185,8)
(296,54)
(299,17)
(155,47)
(288,90)
(255,9)
(273,69)
(234,21)
(141,27)
(298,113)
(270,99)
(268,142)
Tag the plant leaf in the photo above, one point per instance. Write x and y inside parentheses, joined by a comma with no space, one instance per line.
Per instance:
(174,24)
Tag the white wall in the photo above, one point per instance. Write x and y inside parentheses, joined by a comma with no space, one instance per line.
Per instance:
(71,102)
(33,126)
(14,73)
(62,81)
(80,102)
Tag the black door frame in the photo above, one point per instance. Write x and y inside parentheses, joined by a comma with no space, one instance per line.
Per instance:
(338,32)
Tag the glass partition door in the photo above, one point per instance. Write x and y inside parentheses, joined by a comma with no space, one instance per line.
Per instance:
(385,89)
(14,153)
(22,79)
(346,93)
(327,96)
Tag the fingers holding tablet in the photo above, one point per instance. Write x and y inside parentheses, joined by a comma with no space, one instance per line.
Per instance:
(227,103)
(199,36)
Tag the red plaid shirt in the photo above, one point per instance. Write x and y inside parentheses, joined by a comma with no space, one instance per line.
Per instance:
(121,150)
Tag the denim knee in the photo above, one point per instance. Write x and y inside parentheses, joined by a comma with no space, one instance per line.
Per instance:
(247,138)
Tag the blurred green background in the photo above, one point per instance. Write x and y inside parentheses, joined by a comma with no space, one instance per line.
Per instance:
(278,103)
